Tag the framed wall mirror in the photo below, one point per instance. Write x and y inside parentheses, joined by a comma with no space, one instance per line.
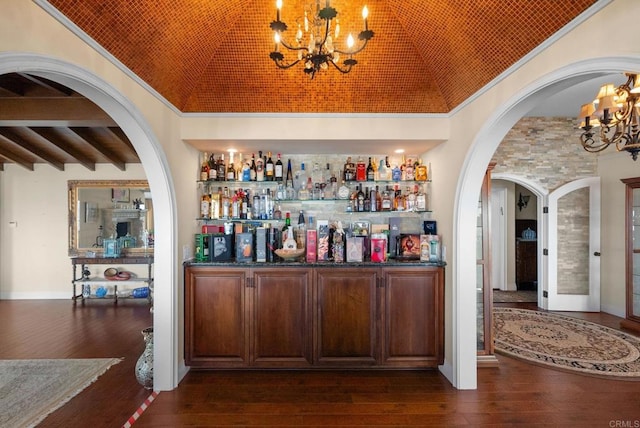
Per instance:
(110,209)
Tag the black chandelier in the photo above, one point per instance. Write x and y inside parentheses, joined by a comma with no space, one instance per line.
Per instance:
(617,112)
(315,40)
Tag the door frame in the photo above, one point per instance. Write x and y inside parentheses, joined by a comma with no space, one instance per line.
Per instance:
(541,194)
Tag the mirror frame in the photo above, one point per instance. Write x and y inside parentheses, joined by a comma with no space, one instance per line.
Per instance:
(72,187)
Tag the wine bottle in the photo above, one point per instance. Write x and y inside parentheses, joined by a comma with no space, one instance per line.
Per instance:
(289,178)
(370,171)
(278,170)
(252,168)
(360,200)
(268,172)
(222,168)
(213,168)
(260,167)
(204,168)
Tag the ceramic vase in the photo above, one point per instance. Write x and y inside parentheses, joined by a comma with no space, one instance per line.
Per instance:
(144,366)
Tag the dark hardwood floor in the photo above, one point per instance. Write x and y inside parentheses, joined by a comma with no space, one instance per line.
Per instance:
(512,394)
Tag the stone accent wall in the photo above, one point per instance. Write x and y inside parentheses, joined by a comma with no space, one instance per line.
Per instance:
(547,151)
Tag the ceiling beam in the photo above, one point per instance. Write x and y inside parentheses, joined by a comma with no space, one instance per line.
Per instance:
(54,138)
(15,158)
(16,111)
(119,134)
(16,139)
(48,84)
(92,138)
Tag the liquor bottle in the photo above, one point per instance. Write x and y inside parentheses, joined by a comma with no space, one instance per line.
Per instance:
(300,178)
(239,165)
(279,172)
(204,168)
(231,171)
(421,172)
(246,171)
(361,170)
(410,200)
(316,174)
(421,199)
(378,200)
(213,168)
(226,204)
(215,210)
(277,212)
(289,178)
(343,191)
(252,168)
(268,168)
(222,168)
(301,231)
(205,204)
(287,221)
(236,204)
(260,167)
(382,171)
(396,173)
(387,202)
(367,200)
(360,200)
(349,170)
(371,173)
(409,173)
(245,214)
(373,197)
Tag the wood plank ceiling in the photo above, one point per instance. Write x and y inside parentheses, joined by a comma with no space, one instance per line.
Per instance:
(212,56)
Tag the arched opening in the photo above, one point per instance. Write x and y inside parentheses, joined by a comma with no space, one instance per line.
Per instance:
(483,146)
(131,121)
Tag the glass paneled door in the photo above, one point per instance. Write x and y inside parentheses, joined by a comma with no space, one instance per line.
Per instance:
(574,246)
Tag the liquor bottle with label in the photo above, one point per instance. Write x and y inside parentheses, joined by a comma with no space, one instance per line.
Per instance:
(360,200)
(421,199)
(378,200)
(373,196)
(213,168)
(246,171)
(421,172)
(289,178)
(226,204)
(361,170)
(231,171)
(343,191)
(205,203)
(300,178)
(371,172)
(382,171)
(349,170)
(410,200)
(215,210)
(367,200)
(239,165)
(403,169)
(409,173)
(269,168)
(387,201)
(204,168)
(252,168)
(279,169)
(222,168)
(260,167)
(316,174)
(396,173)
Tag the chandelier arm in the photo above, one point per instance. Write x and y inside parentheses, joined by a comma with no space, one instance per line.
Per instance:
(284,66)
(353,52)
(293,48)
(341,70)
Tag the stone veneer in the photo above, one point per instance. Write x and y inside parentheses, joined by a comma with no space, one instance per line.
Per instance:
(547,151)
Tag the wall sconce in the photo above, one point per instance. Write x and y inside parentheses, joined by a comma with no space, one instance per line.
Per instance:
(523,201)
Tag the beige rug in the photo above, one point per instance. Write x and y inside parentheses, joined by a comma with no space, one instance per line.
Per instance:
(566,343)
(31,389)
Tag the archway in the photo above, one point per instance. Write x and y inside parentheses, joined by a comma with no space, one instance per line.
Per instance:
(129,118)
(476,160)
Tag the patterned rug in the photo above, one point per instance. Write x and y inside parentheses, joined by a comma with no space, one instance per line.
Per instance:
(31,389)
(566,343)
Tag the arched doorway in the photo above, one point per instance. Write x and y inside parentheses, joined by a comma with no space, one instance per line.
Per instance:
(476,160)
(131,121)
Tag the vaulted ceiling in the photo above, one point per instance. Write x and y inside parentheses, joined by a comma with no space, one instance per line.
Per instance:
(212,56)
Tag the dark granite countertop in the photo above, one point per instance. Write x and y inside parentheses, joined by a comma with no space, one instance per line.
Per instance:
(389,263)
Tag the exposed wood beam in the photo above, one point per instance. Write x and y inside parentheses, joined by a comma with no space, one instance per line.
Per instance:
(15,158)
(92,138)
(54,111)
(119,134)
(48,84)
(16,139)
(53,137)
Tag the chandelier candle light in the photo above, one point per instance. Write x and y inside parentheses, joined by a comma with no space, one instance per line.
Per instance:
(617,112)
(314,41)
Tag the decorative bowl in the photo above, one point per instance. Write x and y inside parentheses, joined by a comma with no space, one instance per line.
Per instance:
(110,273)
(290,254)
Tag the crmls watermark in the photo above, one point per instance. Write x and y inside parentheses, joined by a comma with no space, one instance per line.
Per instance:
(624,424)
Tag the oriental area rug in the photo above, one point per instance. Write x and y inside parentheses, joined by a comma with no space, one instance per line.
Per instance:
(566,343)
(31,389)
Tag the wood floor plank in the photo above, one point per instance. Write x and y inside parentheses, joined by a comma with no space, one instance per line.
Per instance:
(514,393)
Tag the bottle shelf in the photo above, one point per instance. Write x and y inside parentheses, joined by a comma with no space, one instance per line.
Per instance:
(276,183)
